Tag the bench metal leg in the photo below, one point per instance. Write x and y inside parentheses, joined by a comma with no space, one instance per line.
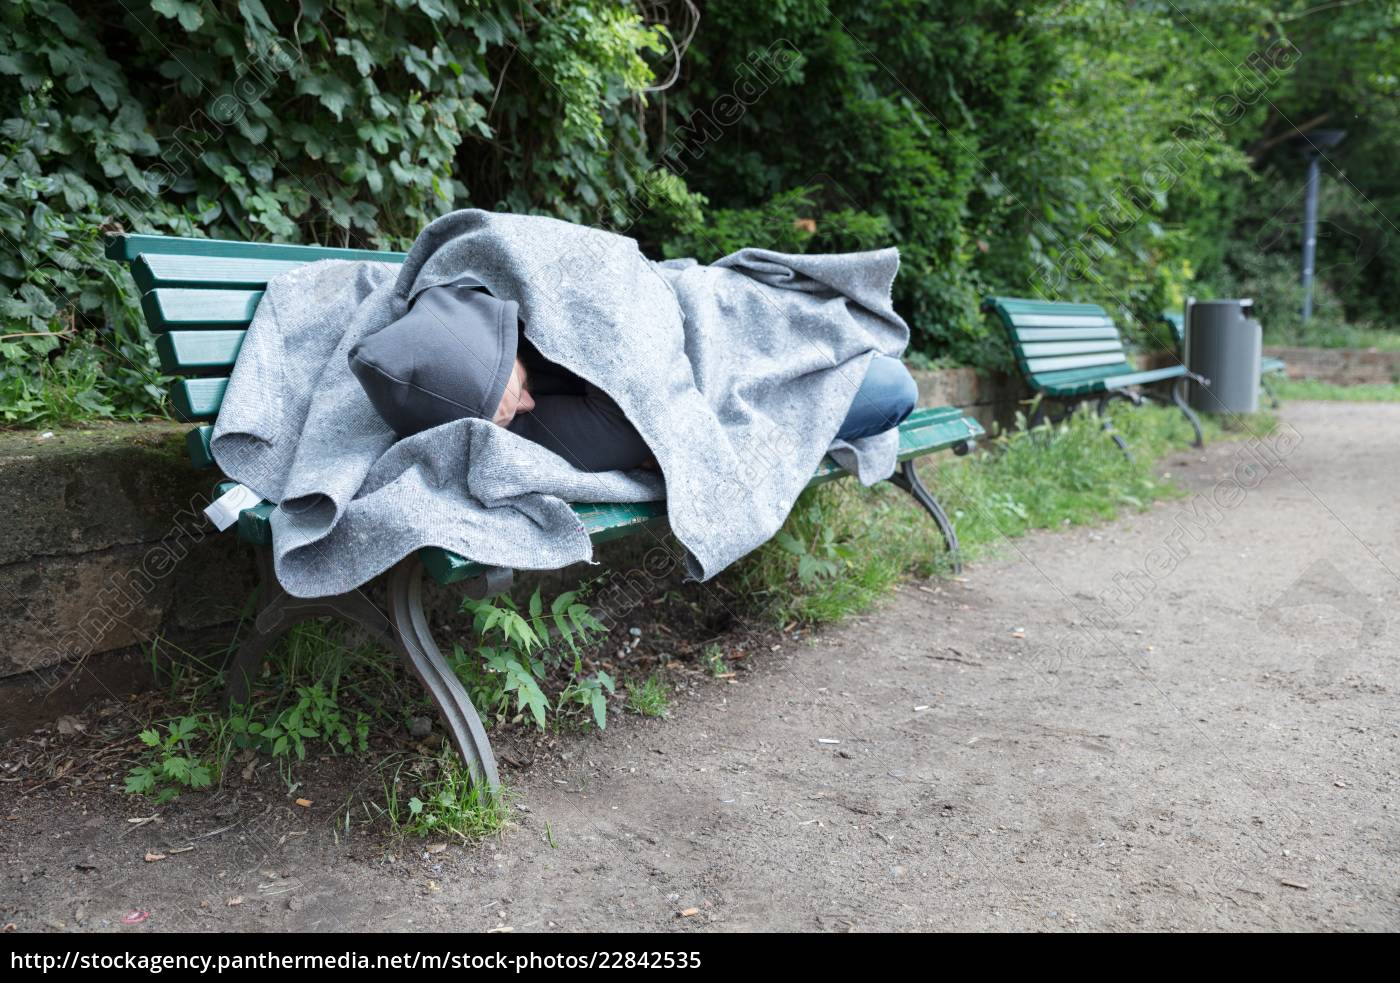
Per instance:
(403,630)
(1179,398)
(1266,383)
(415,644)
(1107,424)
(908,479)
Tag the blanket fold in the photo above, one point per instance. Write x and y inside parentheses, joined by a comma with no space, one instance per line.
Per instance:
(737,375)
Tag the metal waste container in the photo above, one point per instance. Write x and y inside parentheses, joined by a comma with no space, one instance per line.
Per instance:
(1223,343)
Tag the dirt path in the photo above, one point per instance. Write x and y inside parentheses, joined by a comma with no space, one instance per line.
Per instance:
(1159,724)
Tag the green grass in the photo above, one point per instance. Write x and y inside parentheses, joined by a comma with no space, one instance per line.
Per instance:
(847,546)
(444,802)
(1322,334)
(649,698)
(324,690)
(1316,389)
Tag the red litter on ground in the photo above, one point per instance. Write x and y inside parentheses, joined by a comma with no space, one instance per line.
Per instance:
(135,917)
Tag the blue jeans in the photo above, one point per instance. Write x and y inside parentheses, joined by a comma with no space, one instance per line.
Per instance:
(886,396)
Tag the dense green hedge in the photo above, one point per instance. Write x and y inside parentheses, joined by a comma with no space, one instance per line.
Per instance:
(1082,149)
(347,122)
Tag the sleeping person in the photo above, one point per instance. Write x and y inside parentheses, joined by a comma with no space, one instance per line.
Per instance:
(459,353)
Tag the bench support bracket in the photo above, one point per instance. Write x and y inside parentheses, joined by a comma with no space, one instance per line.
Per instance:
(908,479)
(404,630)
(1270,390)
(1107,424)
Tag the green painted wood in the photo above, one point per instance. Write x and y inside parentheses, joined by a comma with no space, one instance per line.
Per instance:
(1081,382)
(1013,306)
(1065,334)
(255,524)
(197,399)
(1178,325)
(197,447)
(194,352)
(192,310)
(1145,377)
(1040,366)
(153,271)
(1081,322)
(1043,349)
(1063,364)
(125,248)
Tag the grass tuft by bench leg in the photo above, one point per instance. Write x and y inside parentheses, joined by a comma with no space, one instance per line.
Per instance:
(403,630)
(414,642)
(278,612)
(908,479)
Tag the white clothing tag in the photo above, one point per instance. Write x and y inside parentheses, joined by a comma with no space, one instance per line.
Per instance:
(223,511)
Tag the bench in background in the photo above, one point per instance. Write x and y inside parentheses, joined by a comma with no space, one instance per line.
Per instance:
(1072,353)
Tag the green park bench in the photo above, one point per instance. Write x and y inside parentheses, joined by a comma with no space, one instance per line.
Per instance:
(198,297)
(1269,365)
(1073,353)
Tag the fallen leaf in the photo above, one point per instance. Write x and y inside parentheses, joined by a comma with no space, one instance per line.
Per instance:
(304,803)
(687,912)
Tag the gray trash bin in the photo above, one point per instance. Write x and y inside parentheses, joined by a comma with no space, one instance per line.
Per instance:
(1223,343)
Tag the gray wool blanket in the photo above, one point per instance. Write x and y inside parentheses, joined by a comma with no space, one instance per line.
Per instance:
(737,375)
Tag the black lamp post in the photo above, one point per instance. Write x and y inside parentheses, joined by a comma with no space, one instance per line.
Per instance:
(1313,143)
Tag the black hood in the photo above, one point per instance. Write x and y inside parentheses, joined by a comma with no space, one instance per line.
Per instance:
(448,358)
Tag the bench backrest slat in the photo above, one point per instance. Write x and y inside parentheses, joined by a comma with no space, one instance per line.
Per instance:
(126,248)
(193,310)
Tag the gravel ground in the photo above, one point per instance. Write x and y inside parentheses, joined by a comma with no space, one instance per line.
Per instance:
(1184,720)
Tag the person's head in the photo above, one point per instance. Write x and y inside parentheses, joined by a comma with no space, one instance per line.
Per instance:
(516,398)
(453,355)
